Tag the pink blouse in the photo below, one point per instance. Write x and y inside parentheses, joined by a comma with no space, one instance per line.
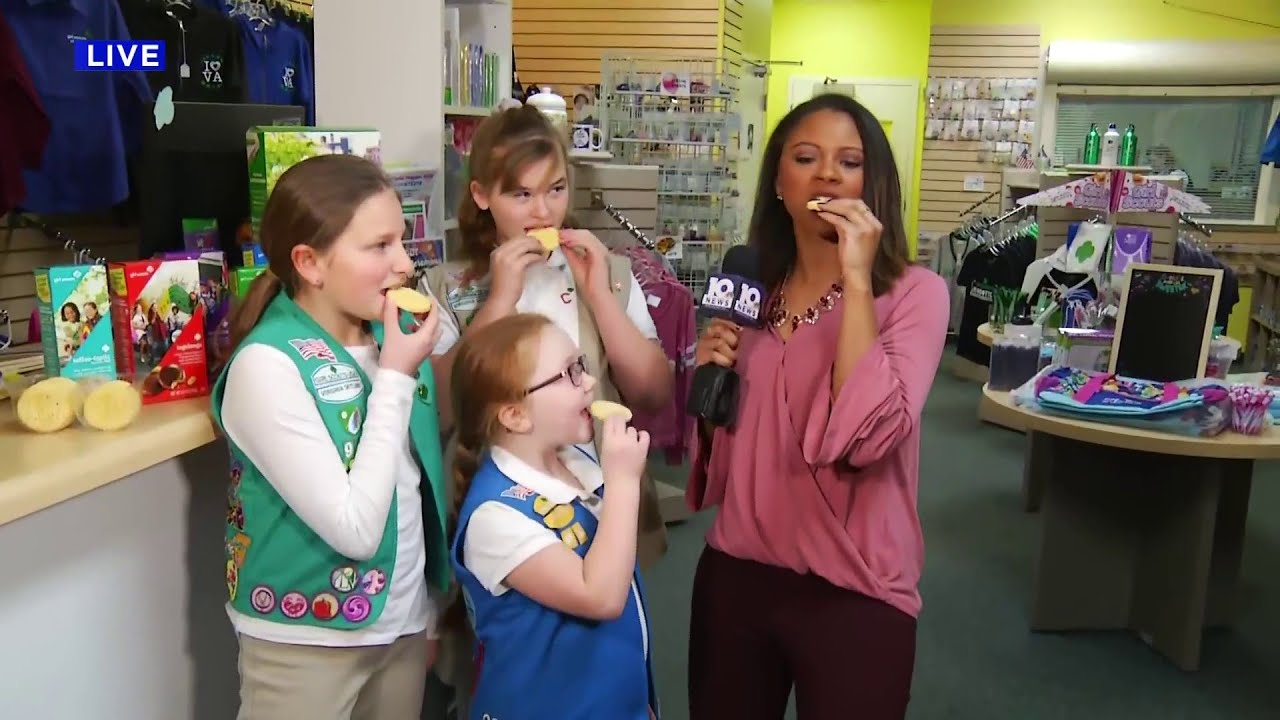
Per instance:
(828,486)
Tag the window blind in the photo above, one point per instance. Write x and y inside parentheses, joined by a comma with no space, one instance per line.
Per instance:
(1217,142)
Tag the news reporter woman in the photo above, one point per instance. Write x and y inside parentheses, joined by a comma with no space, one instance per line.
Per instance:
(810,572)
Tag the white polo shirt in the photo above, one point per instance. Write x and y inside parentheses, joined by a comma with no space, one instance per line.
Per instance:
(549,290)
(499,538)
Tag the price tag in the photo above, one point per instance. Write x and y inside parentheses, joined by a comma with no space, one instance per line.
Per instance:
(975,183)
(184,70)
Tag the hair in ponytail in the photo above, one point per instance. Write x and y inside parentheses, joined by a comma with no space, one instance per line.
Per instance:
(492,369)
(504,145)
(311,204)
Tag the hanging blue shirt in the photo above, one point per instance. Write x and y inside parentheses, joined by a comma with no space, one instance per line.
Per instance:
(95,117)
(277,62)
(537,662)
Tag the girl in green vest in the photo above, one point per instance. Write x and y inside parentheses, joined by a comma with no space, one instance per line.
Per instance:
(519,169)
(336,552)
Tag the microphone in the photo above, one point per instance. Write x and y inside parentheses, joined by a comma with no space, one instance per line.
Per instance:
(737,295)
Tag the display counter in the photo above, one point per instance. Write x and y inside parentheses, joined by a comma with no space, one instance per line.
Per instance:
(1140,530)
(113,544)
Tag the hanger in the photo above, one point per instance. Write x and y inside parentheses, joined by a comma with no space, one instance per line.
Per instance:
(79,255)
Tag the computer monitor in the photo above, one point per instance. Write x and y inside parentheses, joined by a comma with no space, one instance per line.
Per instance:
(196,166)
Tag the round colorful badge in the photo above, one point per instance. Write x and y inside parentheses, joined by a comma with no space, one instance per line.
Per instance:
(356,608)
(373,582)
(343,579)
(324,606)
(263,599)
(293,605)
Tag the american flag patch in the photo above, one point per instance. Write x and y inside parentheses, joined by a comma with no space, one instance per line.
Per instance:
(313,349)
(518,492)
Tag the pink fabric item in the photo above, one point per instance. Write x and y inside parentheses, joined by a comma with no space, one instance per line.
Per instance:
(672,308)
(828,485)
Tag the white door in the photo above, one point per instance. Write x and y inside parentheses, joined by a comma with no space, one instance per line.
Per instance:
(751,136)
(896,103)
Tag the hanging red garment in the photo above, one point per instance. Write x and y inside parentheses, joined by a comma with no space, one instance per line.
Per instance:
(24,126)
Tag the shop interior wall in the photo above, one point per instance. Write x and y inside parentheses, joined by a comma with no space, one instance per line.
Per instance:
(880,38)
(559,43)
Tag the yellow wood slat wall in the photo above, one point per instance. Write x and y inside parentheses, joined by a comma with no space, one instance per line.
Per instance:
(990,51)
(23,250)
(559,43)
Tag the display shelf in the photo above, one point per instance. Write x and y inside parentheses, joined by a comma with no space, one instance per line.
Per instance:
(466,111)
(590,156)
(1264,314)
(679,114)
(473,87)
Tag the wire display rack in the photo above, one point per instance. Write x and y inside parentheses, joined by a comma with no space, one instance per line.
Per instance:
(679,114)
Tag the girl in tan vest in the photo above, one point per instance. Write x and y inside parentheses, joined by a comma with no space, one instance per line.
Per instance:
(519,169)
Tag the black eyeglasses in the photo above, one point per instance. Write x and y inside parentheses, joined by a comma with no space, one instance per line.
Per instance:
(573,372)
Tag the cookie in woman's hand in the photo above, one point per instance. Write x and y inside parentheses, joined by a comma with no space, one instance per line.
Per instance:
(410,300)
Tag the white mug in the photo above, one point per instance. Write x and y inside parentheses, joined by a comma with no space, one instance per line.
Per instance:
(587,137)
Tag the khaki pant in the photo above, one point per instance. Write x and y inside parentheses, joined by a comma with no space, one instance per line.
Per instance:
(296,682)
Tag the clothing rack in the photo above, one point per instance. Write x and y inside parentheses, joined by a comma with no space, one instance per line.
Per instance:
(80,256)
(597,202)
(1204,230)
(1011,213)
(986,199)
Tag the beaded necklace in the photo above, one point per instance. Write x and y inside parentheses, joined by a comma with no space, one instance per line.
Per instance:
(778,312)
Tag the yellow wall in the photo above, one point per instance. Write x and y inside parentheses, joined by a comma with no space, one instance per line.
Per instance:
(757,16)
(1118,19)
(850,38)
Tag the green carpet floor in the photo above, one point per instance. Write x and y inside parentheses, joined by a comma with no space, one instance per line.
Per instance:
(975,657)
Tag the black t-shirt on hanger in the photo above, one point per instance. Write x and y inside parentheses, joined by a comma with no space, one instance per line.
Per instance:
(203,41)
(984,268)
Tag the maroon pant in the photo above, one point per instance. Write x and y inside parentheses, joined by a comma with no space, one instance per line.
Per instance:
(757,630)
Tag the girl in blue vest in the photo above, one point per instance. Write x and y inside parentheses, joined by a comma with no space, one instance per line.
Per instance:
(335,538)
(545,545)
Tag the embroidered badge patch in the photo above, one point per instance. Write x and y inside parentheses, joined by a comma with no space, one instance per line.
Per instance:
(324,606)
(314,349)
(337,383)
(233,580)
(293,605)
(344,579)
(373,582)
(356,608)
(263,599)
(518,492)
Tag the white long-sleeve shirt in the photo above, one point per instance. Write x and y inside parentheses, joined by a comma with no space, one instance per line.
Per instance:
(269,414)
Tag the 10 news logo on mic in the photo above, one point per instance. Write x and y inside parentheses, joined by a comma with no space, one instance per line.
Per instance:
(733,298)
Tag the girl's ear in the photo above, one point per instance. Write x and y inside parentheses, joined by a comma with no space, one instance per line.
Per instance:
(514,419)
(478,195)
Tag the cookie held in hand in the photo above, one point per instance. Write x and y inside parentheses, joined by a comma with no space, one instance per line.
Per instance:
(603,410)
(410,300)
(548,236)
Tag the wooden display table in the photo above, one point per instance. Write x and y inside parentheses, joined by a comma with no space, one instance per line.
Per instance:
(986,335)
(1141,530)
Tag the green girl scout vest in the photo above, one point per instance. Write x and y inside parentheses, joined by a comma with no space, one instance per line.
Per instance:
(277,567)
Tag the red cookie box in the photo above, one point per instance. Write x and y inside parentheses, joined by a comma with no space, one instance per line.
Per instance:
(158,314)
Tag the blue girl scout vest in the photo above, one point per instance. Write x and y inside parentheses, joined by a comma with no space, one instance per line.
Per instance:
(537,662)
(278,568)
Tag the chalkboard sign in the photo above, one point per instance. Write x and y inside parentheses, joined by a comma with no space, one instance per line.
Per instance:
(1165,322)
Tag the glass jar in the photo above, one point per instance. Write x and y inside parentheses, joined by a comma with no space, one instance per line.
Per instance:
(553,107)
(1015,355)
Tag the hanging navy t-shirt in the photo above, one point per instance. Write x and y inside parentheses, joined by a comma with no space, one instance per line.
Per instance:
(277,65)
(203,57)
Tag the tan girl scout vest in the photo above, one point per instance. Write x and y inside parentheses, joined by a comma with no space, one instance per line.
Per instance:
(463,302)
